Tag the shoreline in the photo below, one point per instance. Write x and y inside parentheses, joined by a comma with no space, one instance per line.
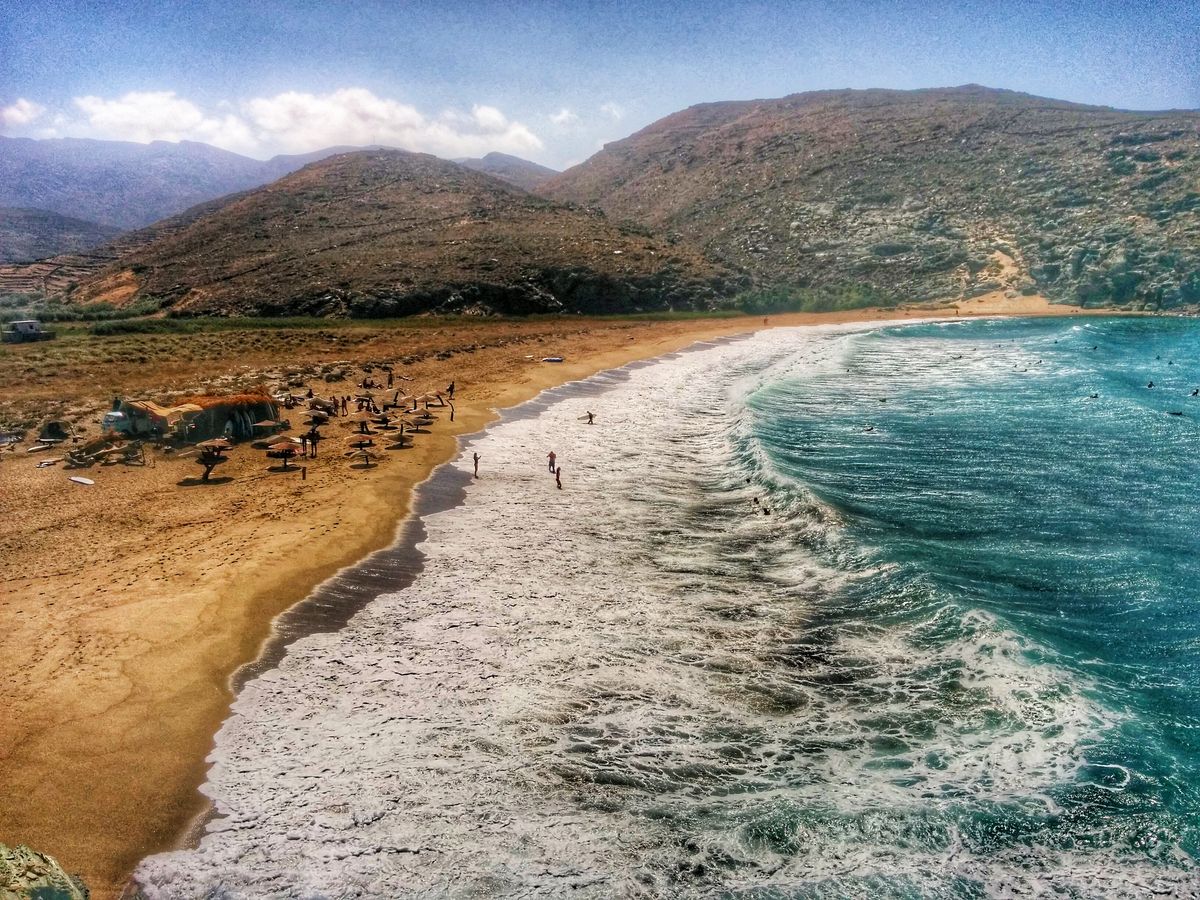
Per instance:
(233,631)
(330,605)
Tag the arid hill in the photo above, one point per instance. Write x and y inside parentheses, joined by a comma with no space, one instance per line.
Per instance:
(913,192)
(30,234)
(382,233)
(513,169)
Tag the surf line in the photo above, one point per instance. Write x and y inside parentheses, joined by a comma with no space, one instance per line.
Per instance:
(334,602)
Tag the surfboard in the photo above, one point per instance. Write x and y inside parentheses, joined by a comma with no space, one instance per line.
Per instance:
(79,479)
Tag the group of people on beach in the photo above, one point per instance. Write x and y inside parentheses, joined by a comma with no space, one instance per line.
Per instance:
(551,457)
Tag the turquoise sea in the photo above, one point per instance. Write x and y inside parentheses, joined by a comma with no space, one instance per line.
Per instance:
(1026,470)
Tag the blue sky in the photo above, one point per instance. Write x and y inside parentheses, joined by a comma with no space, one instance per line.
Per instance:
(551,82)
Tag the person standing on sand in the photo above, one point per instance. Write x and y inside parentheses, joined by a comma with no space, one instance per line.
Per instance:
(450,390)
(476,465)
(558,477)
(391,378)
(313,437)
(550,456)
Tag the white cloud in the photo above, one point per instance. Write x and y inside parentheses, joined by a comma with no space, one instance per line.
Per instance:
(490,119)
(22,112)
(291,122)
(145,116)
(295,122)
(564,117)
(613,111)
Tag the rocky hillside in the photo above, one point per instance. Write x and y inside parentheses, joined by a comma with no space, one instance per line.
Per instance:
(127,185)
(381,233)
(513,169)
(29,234)
(54,276)
(914,192)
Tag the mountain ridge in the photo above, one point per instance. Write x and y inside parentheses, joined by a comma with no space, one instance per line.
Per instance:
(513,169)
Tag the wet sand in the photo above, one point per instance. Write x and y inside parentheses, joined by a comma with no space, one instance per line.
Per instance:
(126,607)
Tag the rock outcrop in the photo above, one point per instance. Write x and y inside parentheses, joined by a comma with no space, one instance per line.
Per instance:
(28,875)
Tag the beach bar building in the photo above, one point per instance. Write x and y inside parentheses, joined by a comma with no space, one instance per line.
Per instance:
(232,416)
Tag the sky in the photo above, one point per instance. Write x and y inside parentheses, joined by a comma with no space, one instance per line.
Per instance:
(551,82)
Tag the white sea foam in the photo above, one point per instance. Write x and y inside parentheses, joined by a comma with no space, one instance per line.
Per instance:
(624,688)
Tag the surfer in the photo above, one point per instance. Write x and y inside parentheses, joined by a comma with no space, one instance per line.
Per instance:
(476,465)
(591,417)
(1150,385)
(551,456)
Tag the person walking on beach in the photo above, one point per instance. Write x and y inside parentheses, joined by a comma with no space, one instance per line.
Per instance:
(450,390)
(558,477)
(476,465)
(591,417)
(550,456)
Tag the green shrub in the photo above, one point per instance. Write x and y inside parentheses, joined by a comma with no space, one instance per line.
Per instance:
(827,298)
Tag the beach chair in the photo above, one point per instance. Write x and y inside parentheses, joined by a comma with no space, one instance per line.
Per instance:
(133,453)
(79,459)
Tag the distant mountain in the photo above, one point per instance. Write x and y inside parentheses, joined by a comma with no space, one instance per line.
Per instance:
(127,185)
(31,234)
(920,194)
(390,233)
(513,169)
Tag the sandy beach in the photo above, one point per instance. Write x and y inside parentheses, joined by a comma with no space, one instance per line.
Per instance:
(126,606)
